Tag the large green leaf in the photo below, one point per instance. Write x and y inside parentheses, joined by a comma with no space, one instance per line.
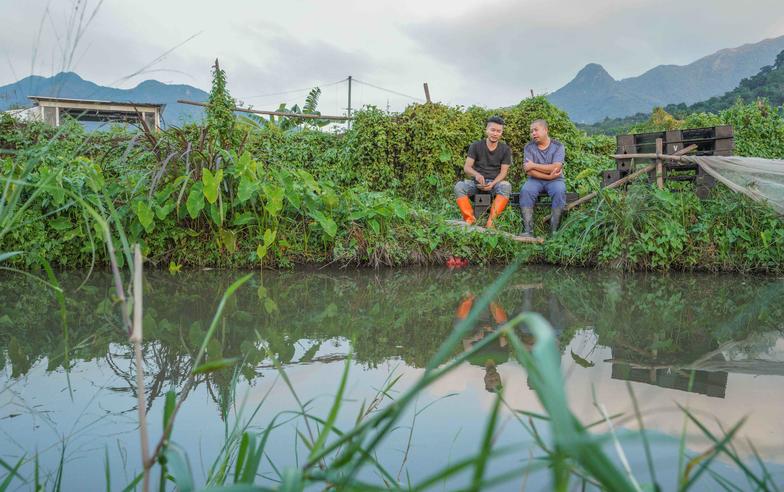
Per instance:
(326,223)
(214,211)
(261,251)
(229,240)
(195,202)
(161,211)
(274,199)
(269,237)
(145,215)
(246,189)
(211,184)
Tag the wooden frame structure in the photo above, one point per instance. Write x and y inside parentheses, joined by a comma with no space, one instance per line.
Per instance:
(716,140)
(52,109)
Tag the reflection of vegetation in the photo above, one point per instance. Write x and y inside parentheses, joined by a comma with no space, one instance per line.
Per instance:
(671,319)
(290,311)
(387,314)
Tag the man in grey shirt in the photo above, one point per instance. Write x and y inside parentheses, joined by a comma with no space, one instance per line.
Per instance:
(487,164)
(544,159)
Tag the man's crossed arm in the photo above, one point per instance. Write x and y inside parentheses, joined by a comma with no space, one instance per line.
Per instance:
(547,172)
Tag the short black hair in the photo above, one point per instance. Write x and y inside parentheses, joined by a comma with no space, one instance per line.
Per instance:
(541,122)
(495,119)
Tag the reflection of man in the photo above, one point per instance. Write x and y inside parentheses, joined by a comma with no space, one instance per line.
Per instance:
(490,355)
(535,298)
(487,165)
(544,158)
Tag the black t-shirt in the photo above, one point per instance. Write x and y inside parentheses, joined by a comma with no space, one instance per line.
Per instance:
(488,163)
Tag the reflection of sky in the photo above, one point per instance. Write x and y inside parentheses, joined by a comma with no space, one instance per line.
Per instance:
(100,420)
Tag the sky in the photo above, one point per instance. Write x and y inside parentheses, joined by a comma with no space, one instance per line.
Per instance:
(490,53)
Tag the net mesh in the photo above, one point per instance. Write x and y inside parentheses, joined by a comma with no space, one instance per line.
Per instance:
(760,179)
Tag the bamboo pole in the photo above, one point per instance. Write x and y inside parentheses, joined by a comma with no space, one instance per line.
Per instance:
(675,156)
(136,339)
(273,113)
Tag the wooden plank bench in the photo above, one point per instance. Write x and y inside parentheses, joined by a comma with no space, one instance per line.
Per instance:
(482,201)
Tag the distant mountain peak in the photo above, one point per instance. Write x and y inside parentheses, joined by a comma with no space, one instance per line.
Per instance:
(68,76)
(593,71)
(593,94)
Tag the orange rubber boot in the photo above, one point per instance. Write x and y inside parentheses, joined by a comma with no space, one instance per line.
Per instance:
(467,209)
(465,307)
(499,204)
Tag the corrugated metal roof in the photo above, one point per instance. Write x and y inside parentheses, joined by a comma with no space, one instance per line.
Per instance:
(130,104)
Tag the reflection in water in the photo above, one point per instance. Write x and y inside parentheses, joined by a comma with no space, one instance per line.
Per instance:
(527,298)
(688,333)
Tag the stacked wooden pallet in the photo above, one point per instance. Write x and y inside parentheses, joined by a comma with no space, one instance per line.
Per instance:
(716,140)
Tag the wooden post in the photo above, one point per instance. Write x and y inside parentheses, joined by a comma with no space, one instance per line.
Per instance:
(349,102)
(427,92)
(659,164)
(532,92)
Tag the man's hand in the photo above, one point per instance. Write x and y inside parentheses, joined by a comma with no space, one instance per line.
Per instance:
(556,172)
(480,180)
(488,185)
(528,165)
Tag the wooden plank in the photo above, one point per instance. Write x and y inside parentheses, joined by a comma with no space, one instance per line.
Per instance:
(659,164)
(273,113)
(513,237)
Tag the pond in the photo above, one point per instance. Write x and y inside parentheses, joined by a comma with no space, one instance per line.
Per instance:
(712,344)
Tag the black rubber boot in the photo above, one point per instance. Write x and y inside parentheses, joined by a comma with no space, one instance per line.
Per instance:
(555,219)
(528,221)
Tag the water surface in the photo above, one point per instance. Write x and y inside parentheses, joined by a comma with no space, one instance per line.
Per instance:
(713,344)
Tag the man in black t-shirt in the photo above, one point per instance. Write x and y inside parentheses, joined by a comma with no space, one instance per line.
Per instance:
(487,165)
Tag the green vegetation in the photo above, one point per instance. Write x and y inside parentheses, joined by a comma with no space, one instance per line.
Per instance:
(276,195)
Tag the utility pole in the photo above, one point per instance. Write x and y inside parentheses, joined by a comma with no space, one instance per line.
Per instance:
(427,92)
(349,100)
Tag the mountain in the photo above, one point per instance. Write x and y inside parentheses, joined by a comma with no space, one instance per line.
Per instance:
(70,85)
(767,84)
(594,95)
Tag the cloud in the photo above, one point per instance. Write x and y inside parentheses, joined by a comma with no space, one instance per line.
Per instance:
(289,63)
(489,54)
(504,49)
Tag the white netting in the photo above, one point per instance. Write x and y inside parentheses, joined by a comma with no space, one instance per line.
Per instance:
(760,179)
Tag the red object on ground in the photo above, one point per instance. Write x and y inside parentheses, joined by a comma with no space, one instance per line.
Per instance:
(456,262)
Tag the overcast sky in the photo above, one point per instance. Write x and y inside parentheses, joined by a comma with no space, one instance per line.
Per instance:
(489,53)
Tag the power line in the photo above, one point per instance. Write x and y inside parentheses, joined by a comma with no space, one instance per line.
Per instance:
(389,90)
(294,90)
